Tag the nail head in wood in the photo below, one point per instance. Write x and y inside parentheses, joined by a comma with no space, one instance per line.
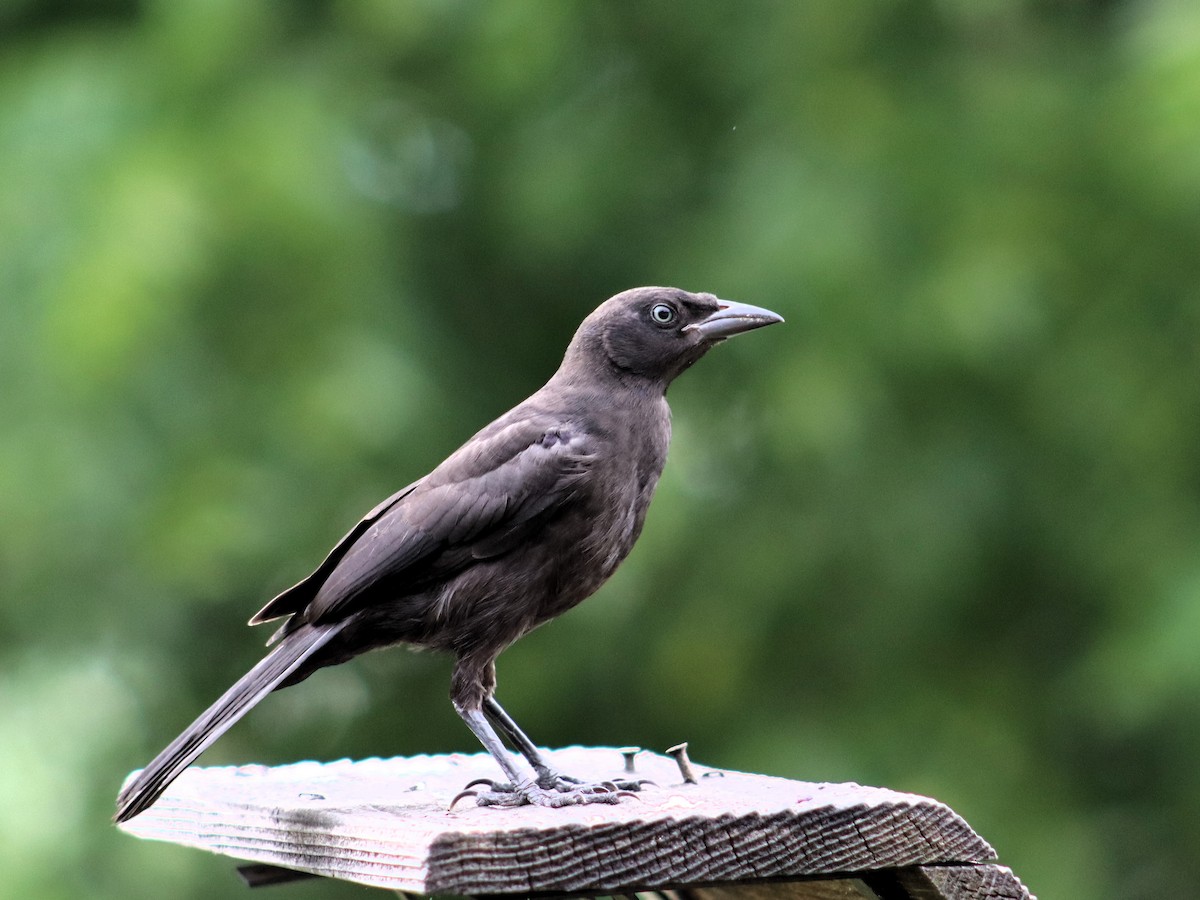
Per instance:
(680,754)
(630,753)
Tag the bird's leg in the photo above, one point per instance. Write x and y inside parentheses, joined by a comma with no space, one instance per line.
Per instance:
(491,742)
(547,776)
(471,687)
(520,791)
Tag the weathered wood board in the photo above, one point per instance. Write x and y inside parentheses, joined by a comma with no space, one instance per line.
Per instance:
(387,823)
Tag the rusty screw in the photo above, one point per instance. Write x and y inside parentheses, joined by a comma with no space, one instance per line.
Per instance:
(679,751)
(629,753)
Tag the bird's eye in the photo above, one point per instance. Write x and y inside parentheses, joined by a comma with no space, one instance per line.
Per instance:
(662,314)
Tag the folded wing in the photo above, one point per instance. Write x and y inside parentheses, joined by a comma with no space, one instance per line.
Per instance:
(480,503)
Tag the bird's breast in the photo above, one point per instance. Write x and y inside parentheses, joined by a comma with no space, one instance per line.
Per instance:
(603,525)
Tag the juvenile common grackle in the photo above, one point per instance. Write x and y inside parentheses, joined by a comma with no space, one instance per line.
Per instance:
(521,523)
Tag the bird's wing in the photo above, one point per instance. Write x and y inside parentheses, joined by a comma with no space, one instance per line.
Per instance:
(478,504)
(300,594)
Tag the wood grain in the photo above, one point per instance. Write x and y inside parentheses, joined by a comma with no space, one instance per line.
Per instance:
(386,823)
(986,882)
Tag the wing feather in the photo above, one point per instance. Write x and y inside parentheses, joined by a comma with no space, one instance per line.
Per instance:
(480,503)
(298,596)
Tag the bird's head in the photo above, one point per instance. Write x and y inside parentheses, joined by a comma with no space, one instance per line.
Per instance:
(655,333)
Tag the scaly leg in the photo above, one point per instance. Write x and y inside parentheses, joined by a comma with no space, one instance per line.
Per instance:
(547,776)
(522,790)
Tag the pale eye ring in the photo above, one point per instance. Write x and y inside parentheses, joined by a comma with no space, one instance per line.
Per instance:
(662,314)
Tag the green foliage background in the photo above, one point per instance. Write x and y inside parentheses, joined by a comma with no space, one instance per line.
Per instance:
(261,263)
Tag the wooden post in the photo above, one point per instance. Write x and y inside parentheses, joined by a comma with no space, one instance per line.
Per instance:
(386,823)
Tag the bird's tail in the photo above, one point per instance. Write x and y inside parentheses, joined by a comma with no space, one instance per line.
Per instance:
(284,658)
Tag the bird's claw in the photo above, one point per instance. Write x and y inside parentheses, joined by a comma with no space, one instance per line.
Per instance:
(533,795)
(463,793)
(551,790)
(496,788)
(631,785)
(491,783)
(554,781)
(558,791)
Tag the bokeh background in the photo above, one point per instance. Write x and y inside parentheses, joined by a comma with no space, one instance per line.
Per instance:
(262,263)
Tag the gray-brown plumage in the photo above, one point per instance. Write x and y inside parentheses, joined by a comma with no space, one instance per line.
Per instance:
(525,520)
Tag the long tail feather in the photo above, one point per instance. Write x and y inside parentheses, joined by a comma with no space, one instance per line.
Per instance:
(277,665)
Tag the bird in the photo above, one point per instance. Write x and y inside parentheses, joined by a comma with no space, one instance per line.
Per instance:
(521,523)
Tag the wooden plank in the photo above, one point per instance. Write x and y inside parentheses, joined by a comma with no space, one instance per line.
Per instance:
(982,882)
(386,823)
(824,889)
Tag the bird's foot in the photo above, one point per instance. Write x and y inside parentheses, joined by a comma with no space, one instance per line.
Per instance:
(550,780)
(564,791)
(567,783)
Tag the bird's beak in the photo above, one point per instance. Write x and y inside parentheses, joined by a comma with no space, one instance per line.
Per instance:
(733,318)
